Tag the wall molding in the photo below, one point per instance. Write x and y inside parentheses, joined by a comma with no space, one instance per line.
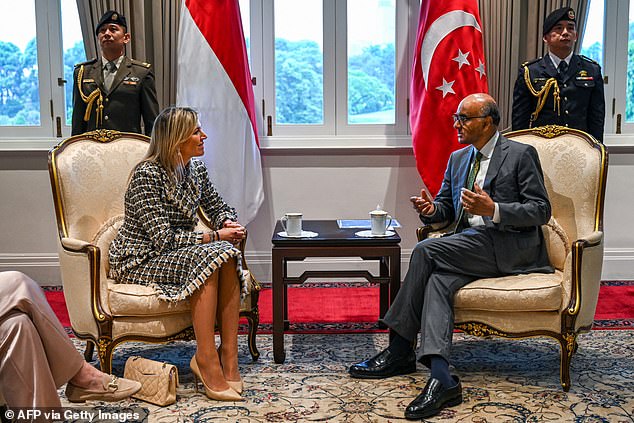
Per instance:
(618,263)
(41,267)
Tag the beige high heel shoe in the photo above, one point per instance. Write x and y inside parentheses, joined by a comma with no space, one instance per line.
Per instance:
(226,395)
(236,385)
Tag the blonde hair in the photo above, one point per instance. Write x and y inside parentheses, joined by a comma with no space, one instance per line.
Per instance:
(172,128)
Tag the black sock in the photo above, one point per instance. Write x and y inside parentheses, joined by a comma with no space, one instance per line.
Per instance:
(400,345)
(440,370)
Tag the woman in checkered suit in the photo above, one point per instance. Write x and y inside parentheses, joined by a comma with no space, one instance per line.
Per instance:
(157,245)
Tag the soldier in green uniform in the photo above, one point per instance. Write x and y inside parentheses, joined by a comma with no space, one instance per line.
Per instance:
(561,88)
(114,91)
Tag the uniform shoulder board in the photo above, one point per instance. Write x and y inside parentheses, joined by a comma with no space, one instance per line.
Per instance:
(88,62)
(530,62)
(586,58)
(139,63)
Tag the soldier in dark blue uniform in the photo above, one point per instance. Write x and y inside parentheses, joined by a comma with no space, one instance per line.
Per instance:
(561,88)
(114,91)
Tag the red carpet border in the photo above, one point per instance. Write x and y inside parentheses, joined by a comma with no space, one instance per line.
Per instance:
(352,307)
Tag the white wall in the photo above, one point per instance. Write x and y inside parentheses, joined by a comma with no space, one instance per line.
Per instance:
(323,184)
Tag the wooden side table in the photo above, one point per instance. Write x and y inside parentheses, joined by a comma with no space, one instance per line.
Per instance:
(332,241)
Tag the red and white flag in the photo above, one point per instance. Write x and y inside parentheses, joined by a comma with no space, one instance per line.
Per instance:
(448,66)
(214,79)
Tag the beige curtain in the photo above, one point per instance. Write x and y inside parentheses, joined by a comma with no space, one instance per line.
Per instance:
(512,35)
(153,25)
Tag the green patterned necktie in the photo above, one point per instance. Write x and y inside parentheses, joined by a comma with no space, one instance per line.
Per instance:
(474,172)
(462,217)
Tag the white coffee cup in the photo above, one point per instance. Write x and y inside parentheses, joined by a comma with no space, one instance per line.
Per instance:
(379,222)
(292,224)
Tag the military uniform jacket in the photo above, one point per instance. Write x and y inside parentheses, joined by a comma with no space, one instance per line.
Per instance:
(131,97)
(582,104)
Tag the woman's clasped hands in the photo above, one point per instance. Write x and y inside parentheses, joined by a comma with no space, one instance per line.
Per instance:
(232,231)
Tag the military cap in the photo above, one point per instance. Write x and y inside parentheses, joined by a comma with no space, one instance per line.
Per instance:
(111,16)
(563,14)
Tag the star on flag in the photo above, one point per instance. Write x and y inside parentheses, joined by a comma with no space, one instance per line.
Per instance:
(480,69)
(461,59)
(446,88)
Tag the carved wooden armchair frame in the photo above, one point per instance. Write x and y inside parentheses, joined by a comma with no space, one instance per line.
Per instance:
(82,260)
(578,258)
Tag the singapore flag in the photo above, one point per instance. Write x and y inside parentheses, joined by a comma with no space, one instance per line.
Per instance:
(448,66)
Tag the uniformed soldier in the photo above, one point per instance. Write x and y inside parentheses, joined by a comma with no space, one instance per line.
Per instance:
(560,88)
(114,91)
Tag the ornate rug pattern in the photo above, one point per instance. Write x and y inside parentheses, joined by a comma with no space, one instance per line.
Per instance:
(503,381)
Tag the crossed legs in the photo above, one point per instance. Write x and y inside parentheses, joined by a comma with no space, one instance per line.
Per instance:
(218,299)
(36,355)
(438,268)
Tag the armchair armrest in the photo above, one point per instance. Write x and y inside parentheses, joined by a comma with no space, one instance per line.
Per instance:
(433,230)
(74,244)
(587,263)
(80,262)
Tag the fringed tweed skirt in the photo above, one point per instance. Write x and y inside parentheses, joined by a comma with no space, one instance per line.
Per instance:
(177,274)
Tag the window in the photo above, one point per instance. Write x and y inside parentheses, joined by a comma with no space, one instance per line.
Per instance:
(617,62)
(73,51)
(371,61)
(332,67)
(299,62)
(35,99)
(592,42)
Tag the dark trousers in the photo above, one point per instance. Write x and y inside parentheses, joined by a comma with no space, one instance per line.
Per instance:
(438,268)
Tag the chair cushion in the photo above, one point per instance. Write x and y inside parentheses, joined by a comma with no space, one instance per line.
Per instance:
(142,301)
(531,292)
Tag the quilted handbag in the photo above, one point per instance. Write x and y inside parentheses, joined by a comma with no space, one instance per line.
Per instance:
(158,380)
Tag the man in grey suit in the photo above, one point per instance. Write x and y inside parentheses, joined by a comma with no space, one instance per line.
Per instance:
(113,92)
(498,213)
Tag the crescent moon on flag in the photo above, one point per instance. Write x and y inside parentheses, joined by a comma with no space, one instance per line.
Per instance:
(438,30)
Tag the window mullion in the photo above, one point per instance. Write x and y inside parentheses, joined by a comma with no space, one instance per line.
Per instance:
(619,69)
(257,62)
(340,96)
(56,69)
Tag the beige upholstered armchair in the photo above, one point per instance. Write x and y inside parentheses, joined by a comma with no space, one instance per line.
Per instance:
(89,176)
(559,305)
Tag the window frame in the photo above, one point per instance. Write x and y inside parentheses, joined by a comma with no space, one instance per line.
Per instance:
(617,35)
(335,129)
(615,12)
(48,34)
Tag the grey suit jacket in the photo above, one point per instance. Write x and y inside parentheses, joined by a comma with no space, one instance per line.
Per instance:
(131,98)
(515,181)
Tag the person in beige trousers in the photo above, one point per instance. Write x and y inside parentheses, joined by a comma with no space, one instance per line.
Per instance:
(37,357)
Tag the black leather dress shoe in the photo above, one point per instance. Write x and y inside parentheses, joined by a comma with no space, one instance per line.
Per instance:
(384,364)
(434,398)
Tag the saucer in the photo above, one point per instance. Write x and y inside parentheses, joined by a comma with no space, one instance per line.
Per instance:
(369,234)
(304,234)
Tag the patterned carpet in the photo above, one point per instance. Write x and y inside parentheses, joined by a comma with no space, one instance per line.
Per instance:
(504,381)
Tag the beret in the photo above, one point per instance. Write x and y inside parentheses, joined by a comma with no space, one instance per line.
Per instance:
(563,14)
(111,16)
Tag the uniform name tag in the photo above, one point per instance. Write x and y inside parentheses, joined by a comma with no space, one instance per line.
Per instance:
(88,80)
(584,78)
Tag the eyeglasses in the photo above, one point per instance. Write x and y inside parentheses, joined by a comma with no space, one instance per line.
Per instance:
(463,119)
